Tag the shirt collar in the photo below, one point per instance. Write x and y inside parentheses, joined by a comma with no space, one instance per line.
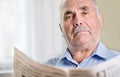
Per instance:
(101,51)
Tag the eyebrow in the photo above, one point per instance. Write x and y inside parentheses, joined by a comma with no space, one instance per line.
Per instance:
(85,8)
(68,12)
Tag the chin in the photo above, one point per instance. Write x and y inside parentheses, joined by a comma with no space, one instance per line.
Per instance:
(79,43)
(82,43)
(79,46)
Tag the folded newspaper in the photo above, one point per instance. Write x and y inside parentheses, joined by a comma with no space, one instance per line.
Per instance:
(26,67)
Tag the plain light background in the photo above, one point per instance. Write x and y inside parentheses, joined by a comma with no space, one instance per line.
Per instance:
(110,10)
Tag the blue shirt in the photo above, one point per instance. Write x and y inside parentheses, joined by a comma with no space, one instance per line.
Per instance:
(101,54)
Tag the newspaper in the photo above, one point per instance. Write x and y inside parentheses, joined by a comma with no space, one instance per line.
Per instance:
(26,67)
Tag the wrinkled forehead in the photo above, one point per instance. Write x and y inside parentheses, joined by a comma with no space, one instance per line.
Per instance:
(76,4)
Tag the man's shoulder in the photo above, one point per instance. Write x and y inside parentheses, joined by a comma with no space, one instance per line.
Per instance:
(113,53)
(107,52)
(52,61)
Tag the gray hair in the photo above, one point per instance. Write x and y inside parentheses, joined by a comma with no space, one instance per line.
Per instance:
(63,1)
(96,6)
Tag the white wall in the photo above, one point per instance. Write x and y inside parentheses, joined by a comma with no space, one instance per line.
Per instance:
(38,34)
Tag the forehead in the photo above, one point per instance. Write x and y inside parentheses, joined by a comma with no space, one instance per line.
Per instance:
(76,4)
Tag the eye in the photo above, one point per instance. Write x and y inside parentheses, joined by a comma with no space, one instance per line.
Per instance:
(85,13)
(67,17)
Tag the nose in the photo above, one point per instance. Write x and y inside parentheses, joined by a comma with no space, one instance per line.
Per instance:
(77,21)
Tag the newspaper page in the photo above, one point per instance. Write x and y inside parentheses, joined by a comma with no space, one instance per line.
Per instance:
(81,73)
(25,67)
(110,68)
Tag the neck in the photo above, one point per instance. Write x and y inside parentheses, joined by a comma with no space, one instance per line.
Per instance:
(81,54)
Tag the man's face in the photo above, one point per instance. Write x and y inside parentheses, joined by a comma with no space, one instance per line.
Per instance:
(81,23)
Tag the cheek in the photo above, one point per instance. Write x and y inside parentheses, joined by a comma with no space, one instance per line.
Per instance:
(67,29)
(94,26)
